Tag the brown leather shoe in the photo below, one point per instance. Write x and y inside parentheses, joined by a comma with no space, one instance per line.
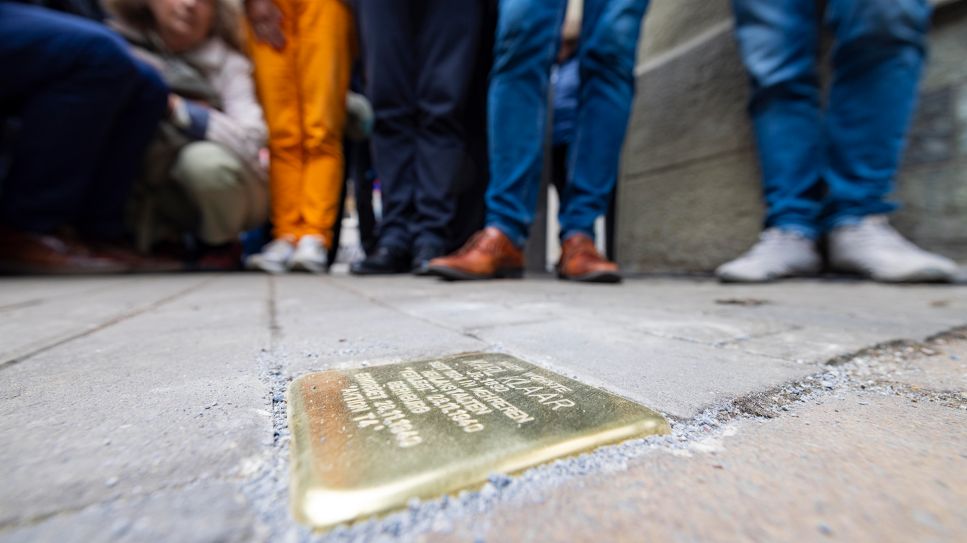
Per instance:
(489,254)
(29,253)
(581,261)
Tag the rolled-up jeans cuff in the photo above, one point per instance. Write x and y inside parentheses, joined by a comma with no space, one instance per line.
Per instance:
(810,232)
(571,232)
(515,237)
(853,217)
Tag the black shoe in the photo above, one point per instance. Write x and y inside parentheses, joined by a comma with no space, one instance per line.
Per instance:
(383,261)
(422,257)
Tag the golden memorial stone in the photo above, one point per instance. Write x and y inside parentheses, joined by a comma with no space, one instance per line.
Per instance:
(365,441)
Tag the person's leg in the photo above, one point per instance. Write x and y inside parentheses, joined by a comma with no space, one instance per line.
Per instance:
(326,49)
(609,40)
(528,34)
(123,156)
(73,77)
(472,185)
(447,44)
(363,189)
(275,75)
(226,196)
(527,42)
(779,44)
(877,57)
(388,36)
(388,40)
(559,171)
(877,60)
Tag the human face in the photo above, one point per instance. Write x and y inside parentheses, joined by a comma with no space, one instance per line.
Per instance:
(183,24)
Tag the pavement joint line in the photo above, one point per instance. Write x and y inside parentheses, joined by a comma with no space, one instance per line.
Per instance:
(837,375)
(21,305)
(275,330)
(771,356)
(688,437)
(267,489)
(42,300)
(738,341)
(715,345)
(955,332)
(69,337)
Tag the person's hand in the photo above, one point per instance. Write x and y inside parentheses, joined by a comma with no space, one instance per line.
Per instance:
(178,111)
(266,22)
(174,104)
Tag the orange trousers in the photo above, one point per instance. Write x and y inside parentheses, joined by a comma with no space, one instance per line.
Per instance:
(303,93)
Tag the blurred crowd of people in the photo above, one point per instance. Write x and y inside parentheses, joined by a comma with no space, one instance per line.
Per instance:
(159,135)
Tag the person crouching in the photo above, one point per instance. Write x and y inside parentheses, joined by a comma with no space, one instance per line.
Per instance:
(203,179)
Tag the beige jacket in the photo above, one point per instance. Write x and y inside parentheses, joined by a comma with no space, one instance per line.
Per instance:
(234,116)
(239,124)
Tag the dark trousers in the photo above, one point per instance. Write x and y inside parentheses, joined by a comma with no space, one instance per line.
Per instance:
(86,109)
(420,59)
(361,161)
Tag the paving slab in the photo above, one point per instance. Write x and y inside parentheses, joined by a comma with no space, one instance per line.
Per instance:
(36,318)
(472,307)
(662,305)
(199,512)
(858,467)
(460,306)
(939,367)
(786,320)
(675,345)
(322,324)
(849,305)
(152,408)
(17,291)
(157,400)
(679,378)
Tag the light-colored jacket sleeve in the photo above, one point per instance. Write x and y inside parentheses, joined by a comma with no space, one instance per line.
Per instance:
(240,126)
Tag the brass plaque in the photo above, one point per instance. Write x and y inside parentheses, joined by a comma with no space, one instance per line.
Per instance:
(365,441)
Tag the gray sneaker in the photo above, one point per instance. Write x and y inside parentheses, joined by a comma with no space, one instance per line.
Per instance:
(874,249)
(276,257)
(310,255)
(779,253)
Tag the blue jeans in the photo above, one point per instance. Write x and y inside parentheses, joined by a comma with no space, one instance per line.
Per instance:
(88,110)
(827,166)
(528,37)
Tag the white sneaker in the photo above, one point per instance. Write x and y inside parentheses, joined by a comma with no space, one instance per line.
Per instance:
(310,255)
(276,257)
(874,249)
(779,253)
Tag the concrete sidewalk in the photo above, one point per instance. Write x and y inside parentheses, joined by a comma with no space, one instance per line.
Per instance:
(152,408)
